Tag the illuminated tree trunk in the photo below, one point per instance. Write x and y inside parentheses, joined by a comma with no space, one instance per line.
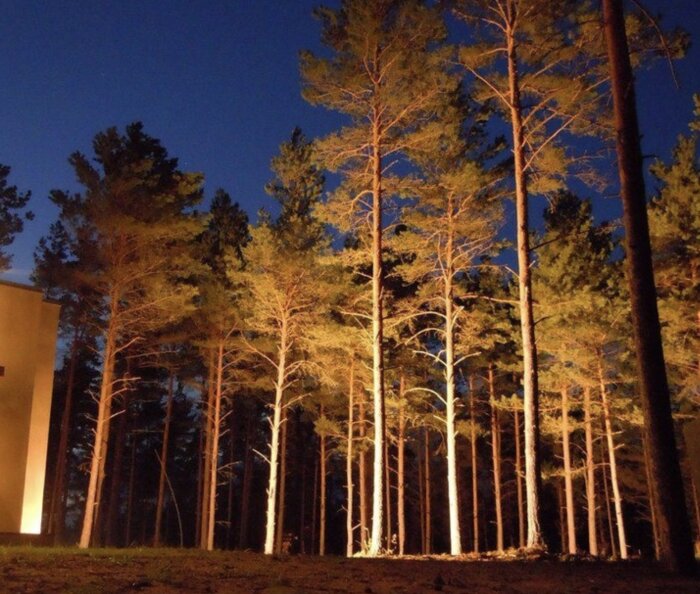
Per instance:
(362,472)
(676,547)
(496,456)
(519,479)
(214,457)
(348,462)
(527,323)
(452,496)
(590,474)
(612,462)
(387,494)
(401,471)
(475,486)
(283,485)
(608,511)
(56,521)
(377,331)
(568,483)
(207,426)
(274,441)
(104,413)
(163,461)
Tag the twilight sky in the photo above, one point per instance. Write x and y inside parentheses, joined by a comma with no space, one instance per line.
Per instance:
(216,81)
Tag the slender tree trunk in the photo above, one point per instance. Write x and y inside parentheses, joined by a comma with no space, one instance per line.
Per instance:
(377,332)
(676,547)
(568,482)
(388,516)
(323,489)
(496,454)
(608,511)
(314,500)
(274,441)
(451,437)
(612,461)
(421,502)
(208,421)
(401,470)
(362,472)
(348,461)
(104,413)
(426,477)
(533,480)
(214,457)
(475,486)
(56,521)
(562,514)
(519,479)
(590,474)
(164,460)
(283,485)
(200,487)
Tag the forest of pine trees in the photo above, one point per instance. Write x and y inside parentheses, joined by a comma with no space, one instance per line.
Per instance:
(393,358)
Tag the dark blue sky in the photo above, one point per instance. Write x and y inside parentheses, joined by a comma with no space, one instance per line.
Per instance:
(216,81)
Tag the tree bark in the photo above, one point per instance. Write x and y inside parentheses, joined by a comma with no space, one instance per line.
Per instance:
(612,462)
(362,472)
(207,423)
(451,437)
(56,522)
(104,413)
(590,474)
(283,486)
(349,545)
(496,456)
(676,547)
(163,461)
(475,486)
(274,441)
(401,471)
(608,512)
(519,479)
(568,483)
(377,331)
(426,478)
(533,479)
(323,492)
(214,457)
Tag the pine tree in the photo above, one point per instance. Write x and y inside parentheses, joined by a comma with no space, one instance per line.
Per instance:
(527,60)
(12,202)
(133,223)
(383,75)
(667,483)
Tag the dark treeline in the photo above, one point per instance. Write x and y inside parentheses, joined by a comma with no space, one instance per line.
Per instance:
(373,370)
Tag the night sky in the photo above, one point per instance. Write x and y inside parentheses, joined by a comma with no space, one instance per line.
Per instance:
(216,81)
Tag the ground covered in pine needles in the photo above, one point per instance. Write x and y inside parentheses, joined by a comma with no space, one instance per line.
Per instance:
(65,570)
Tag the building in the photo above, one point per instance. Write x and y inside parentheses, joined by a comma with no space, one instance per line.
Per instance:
(28,330)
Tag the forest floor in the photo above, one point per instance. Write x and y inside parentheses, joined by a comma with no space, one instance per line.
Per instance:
(69,571)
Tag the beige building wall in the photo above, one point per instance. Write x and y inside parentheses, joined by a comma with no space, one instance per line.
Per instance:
(28,327)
